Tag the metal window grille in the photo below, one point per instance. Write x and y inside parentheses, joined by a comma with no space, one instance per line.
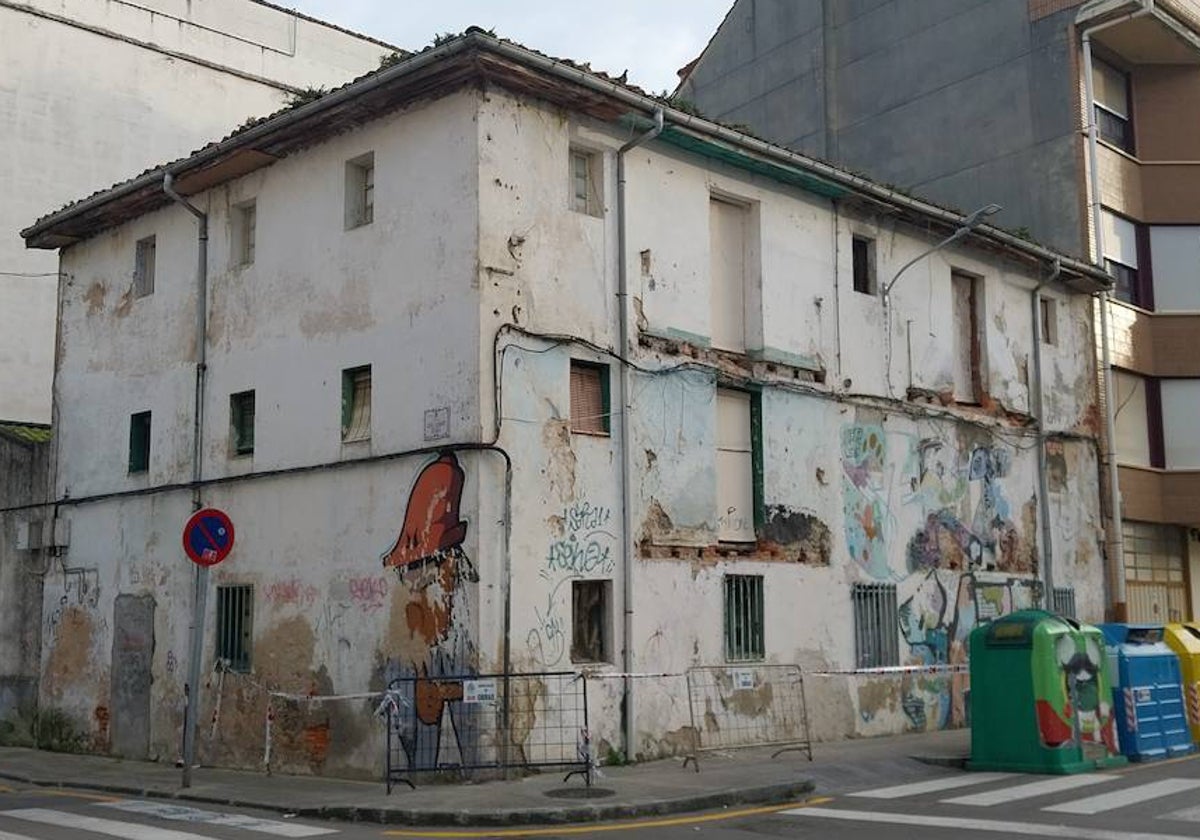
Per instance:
(356,404)
(744,618)
(1064,601)
(368,193)
(876,625)
(241,422)
(235,620)
(143,267)
(139,442)
(589,398)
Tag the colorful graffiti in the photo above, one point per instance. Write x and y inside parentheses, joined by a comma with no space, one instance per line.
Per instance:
(1072,688)
(429,559)
(864,496)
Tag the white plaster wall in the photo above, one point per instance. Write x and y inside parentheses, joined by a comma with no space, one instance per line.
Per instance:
(1180,407)
(101,91)
(1175,253)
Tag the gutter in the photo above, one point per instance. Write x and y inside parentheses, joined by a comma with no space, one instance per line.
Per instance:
(1115,533)
(1037,405)
(623,317)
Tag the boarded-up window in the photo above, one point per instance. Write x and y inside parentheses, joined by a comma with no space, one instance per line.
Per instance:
(589,398)
(356,404)
(744,610)
(735,467)
(235,618)
(727,254)
(589,621)
(966,348)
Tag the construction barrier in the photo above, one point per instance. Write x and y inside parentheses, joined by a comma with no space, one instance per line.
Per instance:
(748,705)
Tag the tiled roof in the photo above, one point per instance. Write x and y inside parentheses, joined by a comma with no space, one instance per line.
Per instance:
(25,432)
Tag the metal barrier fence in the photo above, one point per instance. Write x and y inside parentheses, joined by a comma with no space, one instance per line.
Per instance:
(487,722)
(747,705)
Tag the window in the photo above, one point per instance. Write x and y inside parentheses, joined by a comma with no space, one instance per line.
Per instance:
(1125,281)
(739,466)
(241,422)
(744,618)
(590,601)
(1124,243)
(589,398)
(143,267)
(864,265)
(245,222)
(585,182)
(727,255)
(1048,318)
(876,625)
(1064,601)
(360,191)
(235,625)
(139,442)
(1110,88)
(356,404)
(968,381)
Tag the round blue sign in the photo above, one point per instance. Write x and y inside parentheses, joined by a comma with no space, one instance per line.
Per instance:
(208,537)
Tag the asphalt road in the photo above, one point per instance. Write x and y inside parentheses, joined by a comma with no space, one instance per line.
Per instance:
(1158,801)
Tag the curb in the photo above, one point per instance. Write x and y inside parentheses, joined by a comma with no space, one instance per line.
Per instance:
(761,795)
(958,762)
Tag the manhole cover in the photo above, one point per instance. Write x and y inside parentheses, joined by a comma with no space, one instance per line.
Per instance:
(579,793)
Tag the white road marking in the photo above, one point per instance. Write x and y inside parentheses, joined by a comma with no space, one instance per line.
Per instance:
(1071,832)
(1058,784)
(128,830)
(4,835)
(1120,798)
(932,785)
(170,811)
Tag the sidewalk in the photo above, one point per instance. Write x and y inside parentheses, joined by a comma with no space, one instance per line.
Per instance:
(661,787)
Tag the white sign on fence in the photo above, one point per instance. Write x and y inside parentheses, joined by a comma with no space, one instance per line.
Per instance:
(743,680)
(479,691)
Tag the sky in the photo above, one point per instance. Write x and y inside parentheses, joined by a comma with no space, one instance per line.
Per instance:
(651,39)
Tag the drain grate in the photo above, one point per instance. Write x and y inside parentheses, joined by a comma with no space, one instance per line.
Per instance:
(579,793)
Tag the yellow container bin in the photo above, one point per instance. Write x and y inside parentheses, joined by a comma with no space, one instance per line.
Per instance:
(1184,639)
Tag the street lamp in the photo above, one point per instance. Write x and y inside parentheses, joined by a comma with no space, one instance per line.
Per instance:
(969,224)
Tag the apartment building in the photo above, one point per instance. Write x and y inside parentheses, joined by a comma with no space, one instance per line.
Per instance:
(504,367)
(1080,119)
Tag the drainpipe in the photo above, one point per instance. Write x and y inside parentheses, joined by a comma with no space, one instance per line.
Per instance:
(1116,537)
(1037,405)
(623,316)
(201,595)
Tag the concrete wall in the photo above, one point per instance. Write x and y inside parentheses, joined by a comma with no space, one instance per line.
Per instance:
(880,86)
(105,90)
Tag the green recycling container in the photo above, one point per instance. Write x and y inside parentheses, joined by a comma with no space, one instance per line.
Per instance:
(1041,696)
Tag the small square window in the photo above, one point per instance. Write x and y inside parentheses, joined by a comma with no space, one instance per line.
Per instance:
(1048,315)
(143,267)
(360,191)
(139,442)
(876,623)
(864,265)
(235,625)
(356,404)
(744,618)
(590,624)
(585,182)
(241,422)
(245,221)
(589,398)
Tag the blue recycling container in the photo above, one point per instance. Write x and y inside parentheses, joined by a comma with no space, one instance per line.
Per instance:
(1147,694)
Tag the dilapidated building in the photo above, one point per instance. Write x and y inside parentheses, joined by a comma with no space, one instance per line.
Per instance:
(504,366)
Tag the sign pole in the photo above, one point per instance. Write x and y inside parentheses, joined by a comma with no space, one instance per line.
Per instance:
(192,709)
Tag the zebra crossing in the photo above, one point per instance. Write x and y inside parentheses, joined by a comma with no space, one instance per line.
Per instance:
(1040,801)
(91,825)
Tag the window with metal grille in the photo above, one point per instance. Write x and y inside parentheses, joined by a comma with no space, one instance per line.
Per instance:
(863,253)
(585,182)
(143,267)
(241,422)
(589,621)
(876,625)
(245,230)
(1064,601)
(360,190)
(744,618)
(235,625)
(356,404)
(139,442)
(589,398)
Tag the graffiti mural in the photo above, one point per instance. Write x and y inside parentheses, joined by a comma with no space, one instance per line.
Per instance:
(429,559)
(864,496)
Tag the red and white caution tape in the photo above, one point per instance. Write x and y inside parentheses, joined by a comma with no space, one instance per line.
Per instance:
(892,669)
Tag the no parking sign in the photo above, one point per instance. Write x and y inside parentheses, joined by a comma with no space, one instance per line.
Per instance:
(208,537)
